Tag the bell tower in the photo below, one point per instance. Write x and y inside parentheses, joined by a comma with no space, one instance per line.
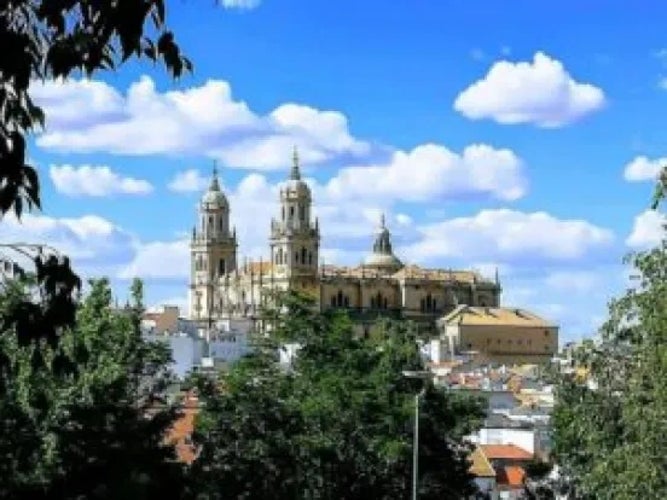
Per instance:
(295,238)
(212,252)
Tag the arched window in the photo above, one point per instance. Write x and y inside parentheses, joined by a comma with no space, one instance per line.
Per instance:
(304,255)
(346,301)
(339,298)
(291,212)
(222,269)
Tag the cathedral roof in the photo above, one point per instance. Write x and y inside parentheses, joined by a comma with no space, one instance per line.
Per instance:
(383,256)
(214,197)
(295,184)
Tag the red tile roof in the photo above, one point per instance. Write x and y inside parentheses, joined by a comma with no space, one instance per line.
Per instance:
(505,451)
(512,476)
(180,433)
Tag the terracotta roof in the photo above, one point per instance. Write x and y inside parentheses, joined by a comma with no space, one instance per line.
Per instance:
(180,433)
(512,476)
(505,451)
(493,316)
(480,466)
(407,272)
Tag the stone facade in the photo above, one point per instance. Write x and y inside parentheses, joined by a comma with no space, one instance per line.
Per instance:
(381,286)
(499,335)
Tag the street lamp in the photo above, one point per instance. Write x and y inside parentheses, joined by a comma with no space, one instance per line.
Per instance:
(422,375)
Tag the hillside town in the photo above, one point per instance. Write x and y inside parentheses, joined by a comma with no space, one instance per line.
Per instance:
(475,345)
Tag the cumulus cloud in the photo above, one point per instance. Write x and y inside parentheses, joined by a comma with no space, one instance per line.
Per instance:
(159,259)
(509,236)
(98,181)
(573,281)
(205,119)
(648,230)
(95,245)
(188,181)
(643,169)
(431,171)
(240,4)
(541,92)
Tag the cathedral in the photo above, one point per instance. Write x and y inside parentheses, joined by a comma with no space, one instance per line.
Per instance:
(382,286)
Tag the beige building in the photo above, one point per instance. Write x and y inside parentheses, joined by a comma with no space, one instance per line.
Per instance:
(511,336)
(382,285)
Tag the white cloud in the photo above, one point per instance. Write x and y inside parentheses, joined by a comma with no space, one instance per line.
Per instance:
(99,181)
(433,171)
(205,119)
(643,169)
(160,260)
(188,181)
(648,230)
(541,92)
(509,236)
(573,281)
(95,245)
(240,4)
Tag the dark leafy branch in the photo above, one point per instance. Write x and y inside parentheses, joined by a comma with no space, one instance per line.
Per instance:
(51,39)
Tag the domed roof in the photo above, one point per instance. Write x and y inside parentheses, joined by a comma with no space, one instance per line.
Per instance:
(383,261)
(214,198)
(295,185)
(383,255)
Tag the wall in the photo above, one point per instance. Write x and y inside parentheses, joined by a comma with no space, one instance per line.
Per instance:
(507,344)
(523,438)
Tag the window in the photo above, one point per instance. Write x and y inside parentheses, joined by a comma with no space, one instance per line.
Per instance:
(310,258)
(296,257)
(222,269)
(304,255)
(546,333)
(340,300)
(283,213)
(220,225)
(333,301)
(346,301)
(291,212)
(302,213)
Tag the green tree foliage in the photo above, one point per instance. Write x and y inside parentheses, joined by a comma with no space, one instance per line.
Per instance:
(338,424)
(84,418)
(610,430)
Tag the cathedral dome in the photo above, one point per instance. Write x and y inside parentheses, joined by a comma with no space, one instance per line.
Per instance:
(383,256)
(214,198)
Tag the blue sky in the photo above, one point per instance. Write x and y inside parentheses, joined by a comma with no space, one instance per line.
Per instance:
(493,134)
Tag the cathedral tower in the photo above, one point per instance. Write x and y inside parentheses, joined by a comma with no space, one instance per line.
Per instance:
(212,251)
(295,239)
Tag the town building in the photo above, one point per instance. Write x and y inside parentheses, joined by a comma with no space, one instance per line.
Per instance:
(502,335)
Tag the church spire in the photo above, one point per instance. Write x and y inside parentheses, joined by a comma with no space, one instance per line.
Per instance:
(295,173)
(215,185)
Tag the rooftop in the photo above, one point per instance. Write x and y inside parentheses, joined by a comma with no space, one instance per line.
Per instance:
(505,452)
(490,316)
(481,467)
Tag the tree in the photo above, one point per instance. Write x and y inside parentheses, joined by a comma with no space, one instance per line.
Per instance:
(52,384)
(337,424)
(609,428)
(85,418)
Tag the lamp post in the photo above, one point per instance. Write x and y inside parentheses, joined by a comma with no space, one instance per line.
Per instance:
(422,375)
